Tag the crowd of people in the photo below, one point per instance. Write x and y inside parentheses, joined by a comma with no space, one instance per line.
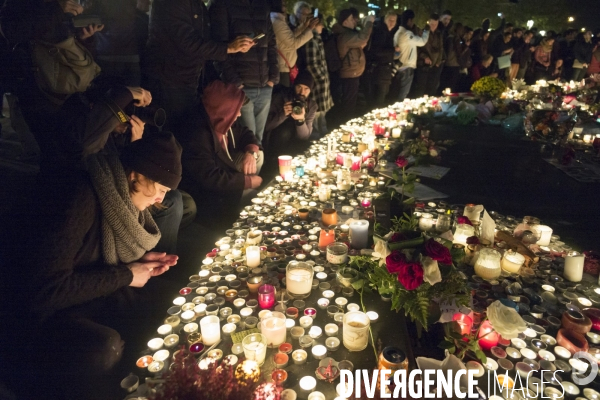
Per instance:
(145,118)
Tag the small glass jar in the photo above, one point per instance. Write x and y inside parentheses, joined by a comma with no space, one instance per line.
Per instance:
(298,279)
(337,253)
(487,265)
(444,222)
(512,262)
(426,222)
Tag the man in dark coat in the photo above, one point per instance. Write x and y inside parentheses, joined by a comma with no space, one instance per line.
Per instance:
(429,61)
(291,115)
(380,57)
(221,158)
(255,71)
(178,45)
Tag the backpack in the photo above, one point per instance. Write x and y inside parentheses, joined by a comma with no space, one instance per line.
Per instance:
(63,68)
(332,56)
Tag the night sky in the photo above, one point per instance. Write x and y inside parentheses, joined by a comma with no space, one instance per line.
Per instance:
(586,13)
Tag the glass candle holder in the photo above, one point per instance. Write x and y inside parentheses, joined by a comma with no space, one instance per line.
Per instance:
(337,253)
(255,348)
(487,265)
(266,296)
(273,328)
(512,262)
(462,233)
(298,279)
(355,331)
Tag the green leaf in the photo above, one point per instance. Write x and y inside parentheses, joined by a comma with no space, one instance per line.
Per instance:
(481,356)
(358,284)
(446,345)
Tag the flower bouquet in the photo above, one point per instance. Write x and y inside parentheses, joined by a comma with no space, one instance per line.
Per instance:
(549,124)
(461,339)
(488,87)
(215,381)
(412,271)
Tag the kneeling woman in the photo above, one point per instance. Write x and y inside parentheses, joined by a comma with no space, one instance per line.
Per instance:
(84,247)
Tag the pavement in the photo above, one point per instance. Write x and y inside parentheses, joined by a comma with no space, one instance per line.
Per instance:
(502,172)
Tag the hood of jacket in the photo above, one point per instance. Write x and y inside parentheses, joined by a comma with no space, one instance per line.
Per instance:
(222,102)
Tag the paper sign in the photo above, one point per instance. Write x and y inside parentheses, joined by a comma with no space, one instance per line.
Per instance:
(488,227)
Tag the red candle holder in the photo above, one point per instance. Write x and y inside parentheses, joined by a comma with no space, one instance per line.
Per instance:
(464,322)
(185,291)
(488,338)
(366,203)
(266,296)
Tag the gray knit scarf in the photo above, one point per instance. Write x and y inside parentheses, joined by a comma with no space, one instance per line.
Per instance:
(127,233)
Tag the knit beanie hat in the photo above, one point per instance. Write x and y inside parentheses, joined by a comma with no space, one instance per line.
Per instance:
(157,157)
(305,78)
(344,14)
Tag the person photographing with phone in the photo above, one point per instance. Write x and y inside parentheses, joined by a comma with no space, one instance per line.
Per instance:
(288,41)
(179,44)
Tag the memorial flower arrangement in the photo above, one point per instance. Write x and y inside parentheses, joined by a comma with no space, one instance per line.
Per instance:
(461,338)
(412,271)
(215,381)
(489,87)
(549,124)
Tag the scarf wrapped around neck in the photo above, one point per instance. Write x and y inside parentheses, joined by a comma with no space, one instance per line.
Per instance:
(127,233)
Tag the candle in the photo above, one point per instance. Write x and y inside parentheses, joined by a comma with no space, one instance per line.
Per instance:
(253,256)
(462,233)
(359,234)
(356,161)
(477,367)
(326,237)
(545,234)
(155,344)
(266,296)
(255,348)
(464,322)
(574,266)
(512,262)
(308,383)
(488,338)
(273,328)
(298,279)
(211,332)
(331,329)
(396,132)
(319,352)
(248,369)
(473,212)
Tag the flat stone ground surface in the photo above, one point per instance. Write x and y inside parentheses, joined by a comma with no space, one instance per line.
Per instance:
(504,173)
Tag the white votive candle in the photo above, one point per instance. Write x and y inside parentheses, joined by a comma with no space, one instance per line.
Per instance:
(155,344)
(253,256)
(164,330)
(359,233)
(319,351)
(574,266)
(545,234)
(210,329)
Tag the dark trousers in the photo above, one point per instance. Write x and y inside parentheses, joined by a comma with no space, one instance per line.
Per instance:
(426,81)
(168,218)
(284,79)
(578,74)
(449,79)
(349,95)
(404,79)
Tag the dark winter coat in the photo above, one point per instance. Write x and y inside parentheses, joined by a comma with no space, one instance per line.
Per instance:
(232,18)
(277,115)
(179,42)
(380,53)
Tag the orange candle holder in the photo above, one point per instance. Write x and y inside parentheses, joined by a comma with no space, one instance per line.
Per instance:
(326,237)
(329,217)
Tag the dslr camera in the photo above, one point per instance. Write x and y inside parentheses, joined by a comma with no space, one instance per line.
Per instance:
(151,115)
(297,106)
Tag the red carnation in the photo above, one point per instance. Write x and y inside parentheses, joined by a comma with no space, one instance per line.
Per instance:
(438,252)
(411,275)
(473,240)
(401,162)
(395,261)
(464,220)
(397,237)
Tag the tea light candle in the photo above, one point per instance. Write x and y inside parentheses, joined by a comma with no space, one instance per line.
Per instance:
(315,332)
(512,262)
(319,352)
(253,256)
(171,340)
(229,329)
(144,361)
(306,322)
(310,312)
(562,352)
(299,356)
(164,330)
(155,344)
(190,328)
(528,353)
(188,316)
(353,307)
(179,301)
(331,329)
(308,383)
(477,367)
(518,343)
(491,364)
(513,353)
(546,355)
(289,394)
(373,316)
